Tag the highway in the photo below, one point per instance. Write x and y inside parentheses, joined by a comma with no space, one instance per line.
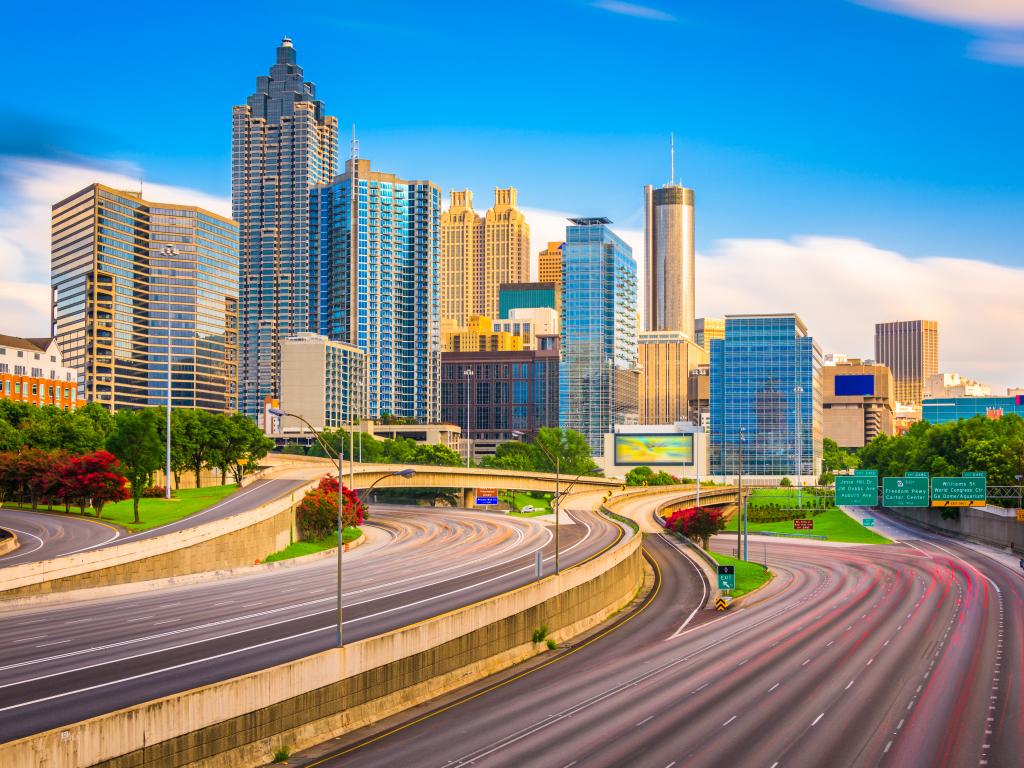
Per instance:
(45,535)
(69,662)
(907,654)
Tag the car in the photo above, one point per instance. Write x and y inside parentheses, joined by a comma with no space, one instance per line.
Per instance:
(528,508)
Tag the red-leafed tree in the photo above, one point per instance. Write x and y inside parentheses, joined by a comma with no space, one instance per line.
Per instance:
(317,513)
(47,484)
(94,479)
(698,524)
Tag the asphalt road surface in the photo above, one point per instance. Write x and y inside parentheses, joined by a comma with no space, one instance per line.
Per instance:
(65,663)
(907,654)
(44,535)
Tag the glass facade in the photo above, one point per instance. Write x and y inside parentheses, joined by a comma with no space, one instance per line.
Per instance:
(941,410)
(525,296)
(376,257)
(755,372)
(282,145)
(115,290)
(599,331)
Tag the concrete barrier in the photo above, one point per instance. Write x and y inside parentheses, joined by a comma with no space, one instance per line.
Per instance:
(8,541)
(991,525)
(223,544)
(241,721)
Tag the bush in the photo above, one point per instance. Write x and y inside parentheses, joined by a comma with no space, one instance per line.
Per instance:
(552,645)
(282,753)
(785,483)
(154,492)
(317,514)
(540,633)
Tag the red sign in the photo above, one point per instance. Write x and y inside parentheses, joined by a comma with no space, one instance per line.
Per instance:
(803,525)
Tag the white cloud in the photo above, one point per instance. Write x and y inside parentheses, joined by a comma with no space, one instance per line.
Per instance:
(998,52)
(841,287)
(633,9)
(30,186)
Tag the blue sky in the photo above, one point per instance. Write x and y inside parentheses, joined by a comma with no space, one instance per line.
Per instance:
(893,122)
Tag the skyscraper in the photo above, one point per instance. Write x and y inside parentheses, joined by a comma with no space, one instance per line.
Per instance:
(765,391)
(123,267)
(478,254)
(911,350)
(668,242)
(598,386)
(666,359)
(549,265)
(282,144)
(376,256)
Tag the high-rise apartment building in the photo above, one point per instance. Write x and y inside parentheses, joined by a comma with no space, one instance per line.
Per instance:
(911,350)
(323,380)
(283,144)
(376,258)
(708,328)
(666,359)
(33,371)
(765,392)
(549,265)
(478,254)
(668,242)
(122,270)
(858,403)
(599,331)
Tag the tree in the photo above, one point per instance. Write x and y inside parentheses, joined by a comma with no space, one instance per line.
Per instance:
(513,455)
(698,524)
(135,442)
(317,514)
(639,476)
(10,437)
(569,446)
(195,433)
(785,483)
(835,459)
(293,449)
(93,480)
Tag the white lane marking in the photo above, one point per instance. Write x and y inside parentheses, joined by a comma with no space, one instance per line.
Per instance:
(26,639)
(887,746)
(848,686)
(645,720)
(818,718)
(703,586)
(773,687)
(729,720)
(698,690)
(26,552)
(56,642)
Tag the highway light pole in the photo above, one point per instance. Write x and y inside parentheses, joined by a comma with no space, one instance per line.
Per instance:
(558,489)
(798,391)
(739,496)
(169,250)
(279,412)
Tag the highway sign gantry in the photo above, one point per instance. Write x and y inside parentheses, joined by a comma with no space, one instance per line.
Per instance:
(857,490)
(971,490)
(727,577)
(904,491)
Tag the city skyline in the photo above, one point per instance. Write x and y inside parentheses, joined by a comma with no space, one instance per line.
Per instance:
(731,240)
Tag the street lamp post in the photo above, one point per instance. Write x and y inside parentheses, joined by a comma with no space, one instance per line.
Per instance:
(798,391)
(279,412)
(558,491)
(169,250)
(741,509)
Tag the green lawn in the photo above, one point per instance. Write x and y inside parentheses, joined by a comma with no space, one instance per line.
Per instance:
(833,523)
(300,548)
(749,576)
(155,512)
(520,499)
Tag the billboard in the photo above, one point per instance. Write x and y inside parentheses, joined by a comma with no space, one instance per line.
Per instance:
(862,384)
(653,449)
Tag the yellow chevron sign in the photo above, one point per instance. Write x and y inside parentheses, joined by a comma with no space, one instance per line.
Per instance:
(722,603)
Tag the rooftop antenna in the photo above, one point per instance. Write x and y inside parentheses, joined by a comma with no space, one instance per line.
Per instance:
(672,156)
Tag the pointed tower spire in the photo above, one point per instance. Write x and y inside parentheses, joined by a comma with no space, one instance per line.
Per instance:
(672,158)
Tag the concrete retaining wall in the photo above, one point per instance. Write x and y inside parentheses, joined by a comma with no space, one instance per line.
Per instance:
(988,525)
(228,543)
(241,721)
(8,541)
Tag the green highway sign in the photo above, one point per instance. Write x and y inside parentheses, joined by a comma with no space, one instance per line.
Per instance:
(869,522)
(872,472)
(916,474)
(904,492)
(857,490)
(727,577)
(975,474)
(968,491)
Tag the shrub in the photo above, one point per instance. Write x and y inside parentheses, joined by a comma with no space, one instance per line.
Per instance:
(540,633)
(282,753)
(698,524)
(317,513)
(552,645)
(154,492)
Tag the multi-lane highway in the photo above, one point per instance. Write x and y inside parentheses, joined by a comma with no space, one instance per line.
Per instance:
(63,664)
(45,535)
(908,654)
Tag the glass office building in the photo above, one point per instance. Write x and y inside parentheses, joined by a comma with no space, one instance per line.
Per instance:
(526,296)
(375,254)
(598,378)
(941,410)
(122,269)
(282,145)
(756,373)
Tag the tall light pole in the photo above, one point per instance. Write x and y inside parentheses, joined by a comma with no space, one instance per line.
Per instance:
(557,459)
(798,391)
(696,463)
(279,412)
(169,251)
(740,510)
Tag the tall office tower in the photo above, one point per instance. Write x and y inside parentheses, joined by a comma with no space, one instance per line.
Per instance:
(668,243)
(598,381)
(911,350)
(549,264)
(122,268)
(666,359)
(375,253)
(478,254)
(765,393)
(282,144)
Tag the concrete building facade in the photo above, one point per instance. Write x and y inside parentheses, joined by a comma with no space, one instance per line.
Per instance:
(954,385)
(708,328)
(910,348)
(480,335)
(666,359)
(858,403)
(33,371)
(127,273)
(322,380)
(549,265)
(529,324)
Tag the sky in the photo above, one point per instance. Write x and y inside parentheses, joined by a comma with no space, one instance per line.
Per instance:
(853,161)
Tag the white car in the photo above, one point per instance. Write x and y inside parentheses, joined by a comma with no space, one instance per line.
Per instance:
(528,508)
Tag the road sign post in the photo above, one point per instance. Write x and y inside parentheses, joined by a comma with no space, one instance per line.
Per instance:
(869,522)
(487,496)
(800,524)
(904,492)
(727,577)
(857,490)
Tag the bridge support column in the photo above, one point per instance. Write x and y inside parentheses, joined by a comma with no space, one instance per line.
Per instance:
(468,498)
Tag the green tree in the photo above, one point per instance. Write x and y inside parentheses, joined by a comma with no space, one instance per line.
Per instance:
(835,459)
(190,430)
(10,437)
(293,449)
(514,456)
(135,441)
(639,476)
(569,446)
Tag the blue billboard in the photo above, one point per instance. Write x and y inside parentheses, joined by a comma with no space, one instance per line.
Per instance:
(855,384)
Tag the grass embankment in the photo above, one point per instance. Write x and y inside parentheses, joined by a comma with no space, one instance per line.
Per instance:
(832,523)
(154,512)
(520,499)
(300,548)
(749,576)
